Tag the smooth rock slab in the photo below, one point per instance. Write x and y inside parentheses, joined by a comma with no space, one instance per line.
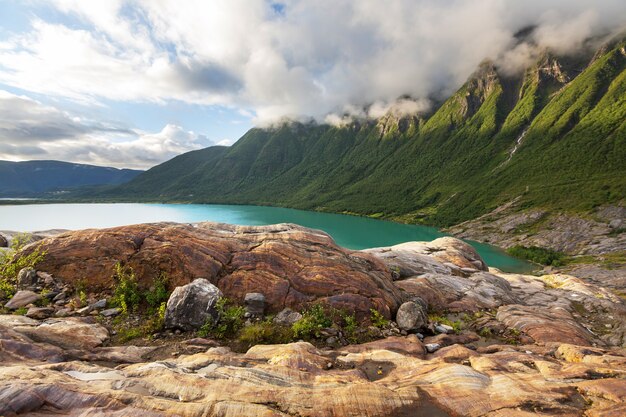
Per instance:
(69,333)
(22,299)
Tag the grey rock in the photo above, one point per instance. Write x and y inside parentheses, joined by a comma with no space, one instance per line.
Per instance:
(21,299)
(40,312)
(190,306)
(411,316)
(60,296)
(27,277)
(287,317)
(99,305)
(64,312)
(3,242)
(432,347)
(443,328)
(84,310)
(111,312)
(255,304)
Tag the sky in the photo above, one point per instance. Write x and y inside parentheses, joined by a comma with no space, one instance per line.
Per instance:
(133,83)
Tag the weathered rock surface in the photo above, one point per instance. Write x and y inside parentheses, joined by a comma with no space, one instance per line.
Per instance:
(506,227)
(190,306)
(68,333)
(3,242)
(391,377)
(290,264)
(287,317)
(27,277)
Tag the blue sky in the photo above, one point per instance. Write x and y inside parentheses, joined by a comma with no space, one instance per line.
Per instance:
(132,83)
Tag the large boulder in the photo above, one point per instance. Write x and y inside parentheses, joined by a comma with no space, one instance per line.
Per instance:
(411,316)
(190,306)
(292,265)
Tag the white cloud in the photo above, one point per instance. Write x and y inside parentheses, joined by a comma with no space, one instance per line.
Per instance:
(313,59)
(326,59)
(31,130)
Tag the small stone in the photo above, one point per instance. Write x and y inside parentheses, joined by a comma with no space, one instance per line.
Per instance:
(22,299)
(443,328)
(432,347)
(111,312)
(331,341)
(99,305)
(255,304)
(419,336)
(84,310)
(26,278)
(329,365)
(60,296)
(64,312)
(287,317)
(40,313)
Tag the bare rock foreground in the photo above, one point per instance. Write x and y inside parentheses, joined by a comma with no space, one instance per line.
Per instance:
(565,354)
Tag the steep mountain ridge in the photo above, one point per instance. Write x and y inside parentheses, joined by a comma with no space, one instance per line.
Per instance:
(553,137)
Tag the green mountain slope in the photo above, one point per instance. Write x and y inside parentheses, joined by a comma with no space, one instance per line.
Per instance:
(553,137)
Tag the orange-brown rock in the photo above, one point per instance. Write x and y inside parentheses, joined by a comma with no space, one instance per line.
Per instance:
(289,264)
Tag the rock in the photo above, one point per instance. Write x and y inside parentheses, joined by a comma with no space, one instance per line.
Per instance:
(3,242)
(68,333)
(291,265)
(22,299)
(443,328)
(40,313)
(26,278)
(60,296)
(190,306)
(411,316)
(83,311)
(432,347)
(287,317)
(99,305)
(63,312)
(255,304)
(111,312)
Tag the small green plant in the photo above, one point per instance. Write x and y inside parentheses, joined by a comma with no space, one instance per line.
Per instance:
(126,294)
(10,264)
(229,322)
(349,327)
(313,320)
(21,311)
(158,293)
(456,325)
(265,332)
(82,297)
(485,332)
(124,334)
(377,319)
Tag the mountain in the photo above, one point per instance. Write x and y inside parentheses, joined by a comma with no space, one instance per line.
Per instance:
(552,137)
(35,178)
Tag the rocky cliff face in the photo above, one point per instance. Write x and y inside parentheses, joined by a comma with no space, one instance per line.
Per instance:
(292,265)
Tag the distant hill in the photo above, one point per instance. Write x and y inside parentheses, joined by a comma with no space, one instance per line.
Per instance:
(38,178)
(553,136)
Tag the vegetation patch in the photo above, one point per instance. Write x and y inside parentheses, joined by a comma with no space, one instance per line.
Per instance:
(11,265)
(537,255)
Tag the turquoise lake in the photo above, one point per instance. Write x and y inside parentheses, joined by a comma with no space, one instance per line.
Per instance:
(349,231)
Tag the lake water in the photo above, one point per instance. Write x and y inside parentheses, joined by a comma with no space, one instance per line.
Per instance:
(348,231)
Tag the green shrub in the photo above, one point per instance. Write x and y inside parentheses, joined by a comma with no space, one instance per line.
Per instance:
(538,255)
(229,322)
(126,294)
(313,320)
(266,333)
(10,265)
(158,293)
(377,319)
(349,326)
(21,311)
